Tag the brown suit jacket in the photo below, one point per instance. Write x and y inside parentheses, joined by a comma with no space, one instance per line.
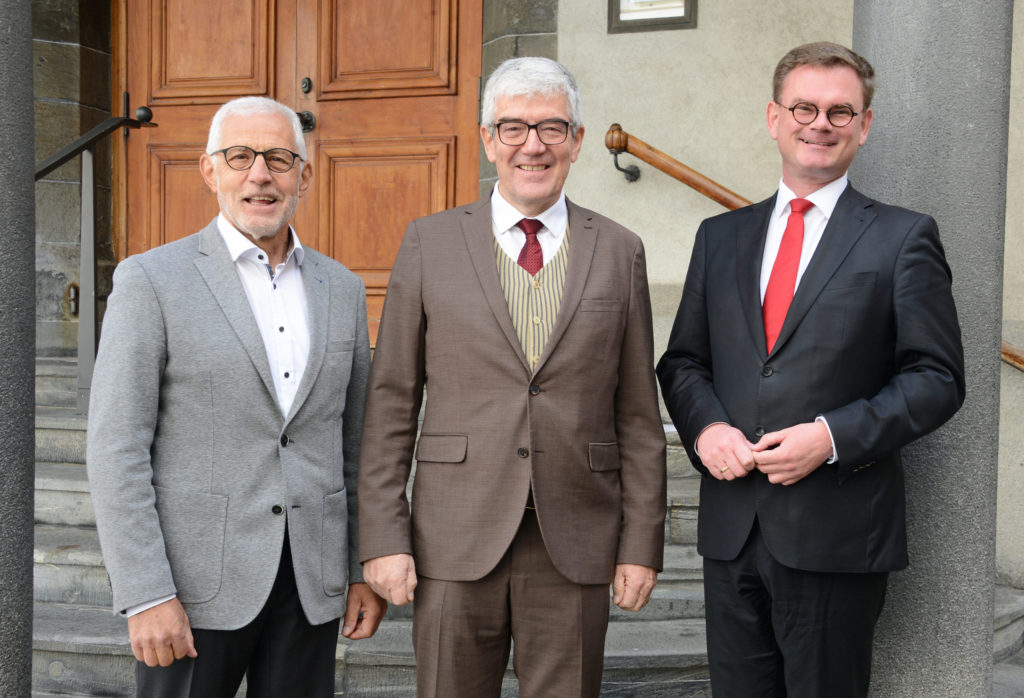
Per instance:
(584,427)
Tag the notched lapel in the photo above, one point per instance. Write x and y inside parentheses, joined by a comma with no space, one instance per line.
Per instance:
(750,239)
(318,307)
(218,271)
(849,220)
(583,241)
(477,231)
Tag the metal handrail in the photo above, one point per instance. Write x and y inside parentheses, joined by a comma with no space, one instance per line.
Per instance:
(86,298)
(618,141)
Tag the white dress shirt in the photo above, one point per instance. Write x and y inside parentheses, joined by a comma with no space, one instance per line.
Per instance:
(510,236)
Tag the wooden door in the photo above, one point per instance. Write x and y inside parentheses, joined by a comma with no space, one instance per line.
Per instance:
(392,85)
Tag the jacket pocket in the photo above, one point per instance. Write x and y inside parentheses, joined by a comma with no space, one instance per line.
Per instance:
(604,305)
(442,448)
(341,345)
(193,525)
(334,544)
(604,457)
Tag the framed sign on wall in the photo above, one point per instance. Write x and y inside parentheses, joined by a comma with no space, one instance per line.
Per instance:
(651,15)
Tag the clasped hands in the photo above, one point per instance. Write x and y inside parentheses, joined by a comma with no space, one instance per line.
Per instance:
(786,456)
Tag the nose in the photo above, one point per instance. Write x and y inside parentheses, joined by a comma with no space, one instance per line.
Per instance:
(259,170)
(533,143)
(821,120)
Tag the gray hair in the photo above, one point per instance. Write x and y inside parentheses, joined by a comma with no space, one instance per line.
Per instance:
(250,106)
(527,76)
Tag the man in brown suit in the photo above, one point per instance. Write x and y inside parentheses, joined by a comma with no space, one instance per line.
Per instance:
(541,463)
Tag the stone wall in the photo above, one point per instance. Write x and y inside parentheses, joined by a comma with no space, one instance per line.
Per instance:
(72,71)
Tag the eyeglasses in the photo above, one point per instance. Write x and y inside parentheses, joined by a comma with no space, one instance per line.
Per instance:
(805,113)
(241,157)
(550,131)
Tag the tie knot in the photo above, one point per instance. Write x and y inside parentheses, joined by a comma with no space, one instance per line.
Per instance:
(530,226)
(800,205)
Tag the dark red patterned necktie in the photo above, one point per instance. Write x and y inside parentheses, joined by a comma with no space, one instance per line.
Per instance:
(531,258)
(782,281)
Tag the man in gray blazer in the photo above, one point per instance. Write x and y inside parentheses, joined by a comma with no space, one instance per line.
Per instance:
(224,431)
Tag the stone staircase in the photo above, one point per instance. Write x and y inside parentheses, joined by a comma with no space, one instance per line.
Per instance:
(80,648)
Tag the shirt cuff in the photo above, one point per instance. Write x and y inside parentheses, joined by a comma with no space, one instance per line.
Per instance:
(835,454)
(133,610)
(697,440)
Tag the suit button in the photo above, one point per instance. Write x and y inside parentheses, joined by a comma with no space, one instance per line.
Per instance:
(523,452)
(534,389)
(759,432)
(284,439)
(277,509)
(767,371)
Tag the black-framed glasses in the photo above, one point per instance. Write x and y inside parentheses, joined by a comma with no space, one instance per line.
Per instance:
(549,131)
(241,157)
(806,112)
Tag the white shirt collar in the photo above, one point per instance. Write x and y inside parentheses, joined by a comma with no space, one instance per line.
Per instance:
(239,245)
(824,199)
(504,215)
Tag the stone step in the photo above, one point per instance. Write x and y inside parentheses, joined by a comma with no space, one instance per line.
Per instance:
(62,495)
(69,567)
(681,517)
(1009,622)
(84,650)
(60,435)
(678,462)
(56,381)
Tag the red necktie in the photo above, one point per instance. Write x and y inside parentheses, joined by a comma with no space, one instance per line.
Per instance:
(782,281)
(531,258)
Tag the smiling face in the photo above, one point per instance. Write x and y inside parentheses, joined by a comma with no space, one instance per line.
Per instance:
(258,202)
(817,153)
(531,175)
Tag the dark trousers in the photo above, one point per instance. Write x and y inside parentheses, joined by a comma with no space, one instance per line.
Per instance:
(279,653)
(462,631)
(775,631)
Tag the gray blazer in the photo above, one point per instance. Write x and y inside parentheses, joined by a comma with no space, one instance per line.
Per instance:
(194,473)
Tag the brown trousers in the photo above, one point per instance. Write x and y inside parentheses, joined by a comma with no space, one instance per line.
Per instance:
(462,631)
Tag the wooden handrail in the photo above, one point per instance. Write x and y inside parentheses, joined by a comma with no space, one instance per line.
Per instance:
(618,141)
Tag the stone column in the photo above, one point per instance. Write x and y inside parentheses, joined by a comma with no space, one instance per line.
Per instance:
(938,145)
(17,346)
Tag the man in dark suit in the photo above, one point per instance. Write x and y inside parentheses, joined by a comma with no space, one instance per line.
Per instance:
(540,475)
(794,405)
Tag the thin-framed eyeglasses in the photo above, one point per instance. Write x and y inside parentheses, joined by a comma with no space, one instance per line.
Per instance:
(549,131)
(241,157)
(806,112)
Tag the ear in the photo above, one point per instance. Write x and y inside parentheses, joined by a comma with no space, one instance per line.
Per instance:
(772,117)
(206,167)
(305,177)
(577,142)
(865,125)
(490,147)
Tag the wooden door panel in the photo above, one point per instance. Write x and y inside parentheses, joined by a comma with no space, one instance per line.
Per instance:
(182,33)
(365,52)
(184,202)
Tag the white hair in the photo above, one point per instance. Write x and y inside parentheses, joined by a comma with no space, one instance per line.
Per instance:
(249,106)
(527,76)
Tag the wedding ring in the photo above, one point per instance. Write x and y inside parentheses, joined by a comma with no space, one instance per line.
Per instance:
(724,469)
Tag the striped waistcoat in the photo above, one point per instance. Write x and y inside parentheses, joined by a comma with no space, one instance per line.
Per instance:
(533,301)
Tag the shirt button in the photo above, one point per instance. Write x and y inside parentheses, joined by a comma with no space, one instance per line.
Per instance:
(536,284)
(767,371)
(536,359)
(523,452)
(277,509)
(286,374)
(534,389)
(536,320)
(280,329)
(259,256)
(284,439)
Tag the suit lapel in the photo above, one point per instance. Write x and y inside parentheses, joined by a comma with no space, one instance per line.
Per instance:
(849,220)
(750,241)
(318,306)
(583,240)
(479,236)
(218,271)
